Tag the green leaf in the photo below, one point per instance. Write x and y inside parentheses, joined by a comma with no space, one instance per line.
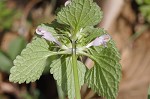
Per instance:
(147,1)
(149,93)
(5,19)
(139,1)
(105,76)
(79,14)
(149,90)
(57,26)
(5,62)
(30,64)
(145,12)
(63,72)
(48,62)
(88,34)
(16,46)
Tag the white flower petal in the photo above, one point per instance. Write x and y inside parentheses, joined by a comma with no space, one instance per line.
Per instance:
(67,2)
(97,42)
(48,36)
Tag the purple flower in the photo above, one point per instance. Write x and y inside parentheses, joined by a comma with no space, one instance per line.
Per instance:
(102,40)
(47,35)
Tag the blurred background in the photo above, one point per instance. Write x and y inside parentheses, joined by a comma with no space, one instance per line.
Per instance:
(127,21)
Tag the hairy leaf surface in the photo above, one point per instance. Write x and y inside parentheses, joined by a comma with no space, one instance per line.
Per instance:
(105,76)
(30,64)
(79,14)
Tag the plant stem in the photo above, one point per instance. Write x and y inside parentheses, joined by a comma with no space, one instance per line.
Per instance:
(75,71)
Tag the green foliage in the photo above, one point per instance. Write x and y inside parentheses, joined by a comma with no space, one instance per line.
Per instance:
(48,63)
(104,77)
(145,8)
(143,2)
(7,16)
(30,64)
(5,62)
(90,33)
(64,66)
(15,47)
(80,14)
(72,31)
(35,95)
(149,93)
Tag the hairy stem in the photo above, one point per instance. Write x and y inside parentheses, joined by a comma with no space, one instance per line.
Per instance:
(75,71)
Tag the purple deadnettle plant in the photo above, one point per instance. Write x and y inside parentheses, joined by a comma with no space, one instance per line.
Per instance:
(71,37)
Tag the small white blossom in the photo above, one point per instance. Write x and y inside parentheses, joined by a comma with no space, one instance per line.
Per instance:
(47,35)
(102,40)
(67,3)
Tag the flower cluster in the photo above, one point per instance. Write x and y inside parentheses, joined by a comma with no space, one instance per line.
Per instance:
(102,40)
